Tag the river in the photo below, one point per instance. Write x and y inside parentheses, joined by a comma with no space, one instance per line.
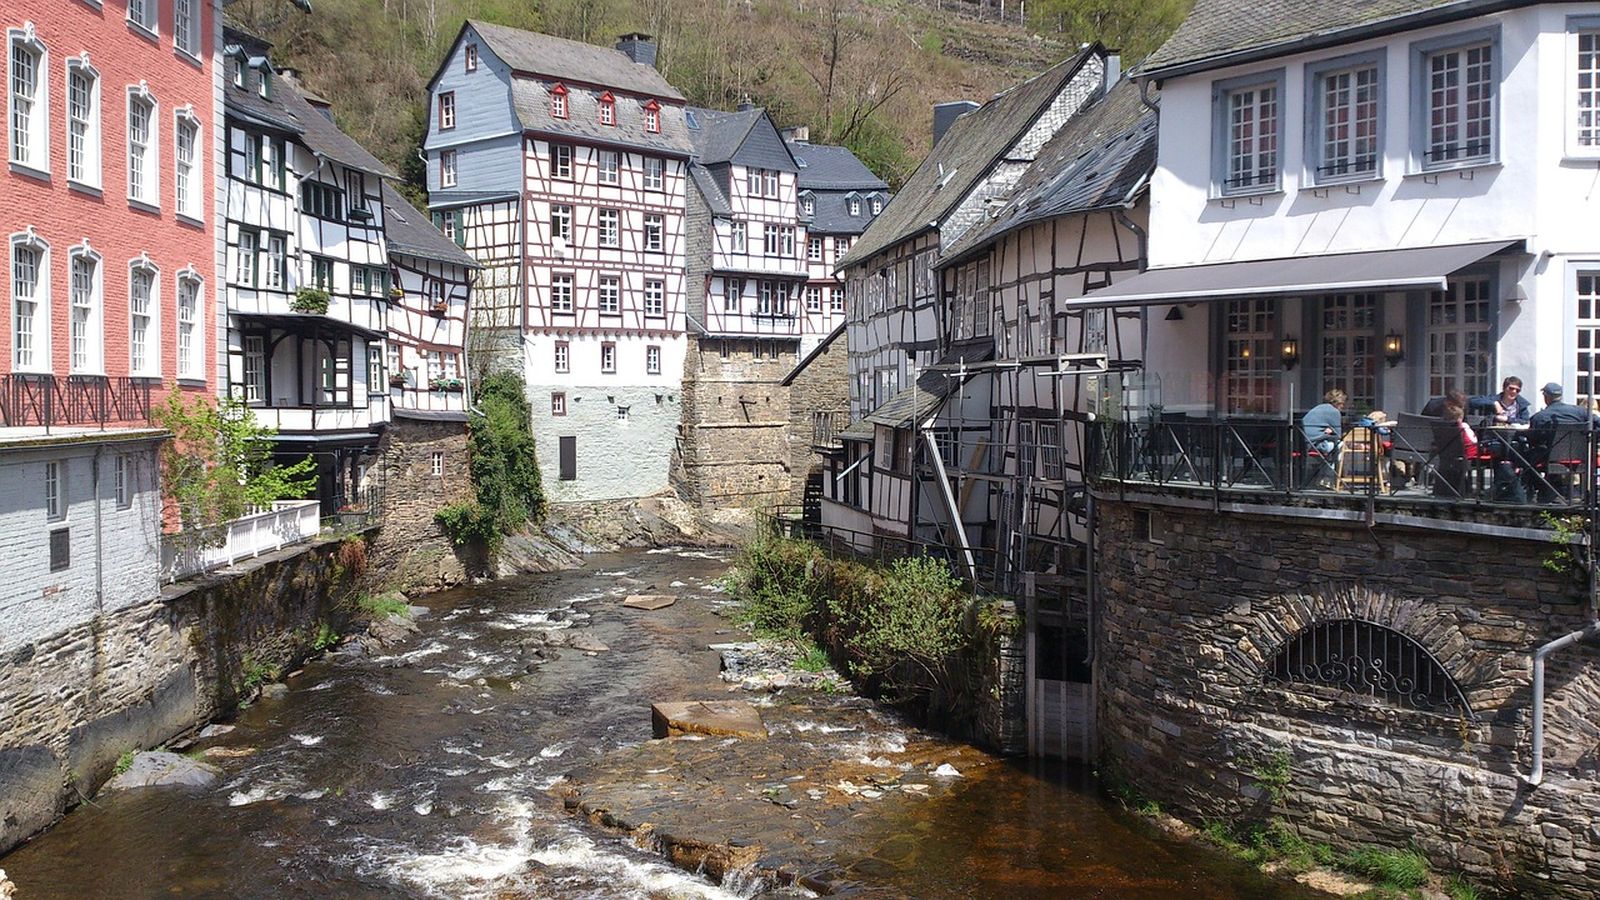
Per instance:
(427,773)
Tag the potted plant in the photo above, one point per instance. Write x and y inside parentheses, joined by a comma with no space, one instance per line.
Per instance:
(449,385)
(440,307)
(313,301)
(398,380)
(396,292)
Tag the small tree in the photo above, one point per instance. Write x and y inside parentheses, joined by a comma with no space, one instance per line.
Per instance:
(219,462)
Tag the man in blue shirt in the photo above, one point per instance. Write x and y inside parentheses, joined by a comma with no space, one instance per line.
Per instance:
(1323,426)
(1556,412)
(1554,446)
(1508,407)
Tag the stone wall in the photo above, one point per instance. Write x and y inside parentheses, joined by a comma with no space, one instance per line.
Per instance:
(735,449)
(822,387)
(1189,626)
(73,702)
(410,551)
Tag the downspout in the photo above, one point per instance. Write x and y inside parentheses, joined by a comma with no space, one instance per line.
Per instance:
(99,540)
(1592,630)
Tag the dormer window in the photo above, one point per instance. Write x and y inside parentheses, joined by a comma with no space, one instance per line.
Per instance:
(265,88)
(808,206)
(652,117)
(608,109)
(558,102)
(471,57)
(238,73)
(877,205)
(855,206)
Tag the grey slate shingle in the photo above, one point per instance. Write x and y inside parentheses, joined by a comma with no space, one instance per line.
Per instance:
(532,101)
(411,233)
(564,60)
(827,167)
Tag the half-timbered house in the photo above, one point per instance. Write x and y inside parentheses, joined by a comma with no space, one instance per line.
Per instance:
(561,167)
(307,273)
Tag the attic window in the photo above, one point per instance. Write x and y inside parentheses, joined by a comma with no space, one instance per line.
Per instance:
(265,87)
(855,206)
(652,117)
(238,73)
(807,206)
(558,101)
(877,205)
(472,57)
(608,109)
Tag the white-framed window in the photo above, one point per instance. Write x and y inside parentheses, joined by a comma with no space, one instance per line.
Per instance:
(608,109)
(447,224)
(737,237)
(30,302)
(144,179)
(277,261)
(561,292)
(86,286)
(188,173)
(610,294)
(836,299)
(28,96)
(608,357)
(652,360)
(436,463)
(1345,132)
(877,205)
(622,414)
(560,160)
(144,304)
(609,163)
(752,182)
(563,356)
(191,340)
(808,205)
(654,230)
(608,227)
(1250,334)
(765,303)
(55,502)
(814,249)
(375,383)
(447,168)
(561,221)
(1587,327)
(1455,95)
(186,26)
(143,14)
(1247,134)
(853,206)
(655,173)
(122,481)
(447,110)
(470,56)
(769,240)
(1460,337)
(83,122)
(244,260)
(558,404)
(841,246)
(733,289)
(813,298)
(255,368)
(652,117)
(558,102)
(655,297)
(1583,86)
(770,186)
(786,239)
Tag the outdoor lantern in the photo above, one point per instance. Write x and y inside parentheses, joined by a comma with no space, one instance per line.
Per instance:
(1290,353)
(1394,349)
(1174,315)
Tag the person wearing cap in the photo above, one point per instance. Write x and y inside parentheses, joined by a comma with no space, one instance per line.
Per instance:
(1556,412)
(1549,446)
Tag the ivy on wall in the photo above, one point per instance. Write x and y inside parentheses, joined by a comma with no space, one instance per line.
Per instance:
(508,492)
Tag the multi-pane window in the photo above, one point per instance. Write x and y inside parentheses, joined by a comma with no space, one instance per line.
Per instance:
(436,463)
(770,182)
(808,206)
(558,404)
(609,166)
(186,171)
(655,298)
(561,292)
(322,273)
(375,368)
(652,360)
(188,327)
(652,118)
(447,223)
(30,315)
(609,230)
(120,473)
(561,222)
(143,14)
(1252,138)
(1251,332)
(83,125)
(244,269)
(767,303)
(608,357)
(1586,90)
(814,249)
(270,172)
(877,205)
(655,169)
(277,261)
(255,368)
(654,226)
(558,102)
(813,299)
(786,236)
(1588,340)
(731,294)
(55,507)
(141,319)
(1460,346)
(752,182)
(1348,122)
(563,356)
(186,25)
(447,168)
(355,190)
(28,108)
(470,57)
(610,295)
(769,240)
(320,200)
(608,109)
(1350,347)
(736,237)
(85,323)
(1460,105)
(447,109)
(836,299)
(142,184)
(853,206)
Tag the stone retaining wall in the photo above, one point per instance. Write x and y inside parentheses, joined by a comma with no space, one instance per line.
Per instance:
(411,551)
(1189,625)
(72,703)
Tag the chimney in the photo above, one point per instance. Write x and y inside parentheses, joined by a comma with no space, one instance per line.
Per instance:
(639,47)
(1113,69)
(796,133)
(944,114)
(746,104)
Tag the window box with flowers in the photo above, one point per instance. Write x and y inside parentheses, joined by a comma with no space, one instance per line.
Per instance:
(312,301)
(396,292)
(448,385)
(399,379)
(439,306)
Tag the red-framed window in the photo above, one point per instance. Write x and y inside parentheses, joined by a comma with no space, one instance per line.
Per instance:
(652,117)
(608,109)
(558,101)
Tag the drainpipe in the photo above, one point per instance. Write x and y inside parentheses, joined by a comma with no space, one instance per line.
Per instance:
(99,540)
(1589,631)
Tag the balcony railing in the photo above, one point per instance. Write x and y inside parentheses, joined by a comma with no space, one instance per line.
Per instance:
(261,531)
(1417,465)
(47,400)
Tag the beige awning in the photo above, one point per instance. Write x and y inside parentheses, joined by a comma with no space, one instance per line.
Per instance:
(1411,268)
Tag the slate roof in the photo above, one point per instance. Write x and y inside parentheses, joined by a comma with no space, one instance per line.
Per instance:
(826,167)
(564,60)
(1096,161)
(1217,33)
(411,233)
(967,151)
(707,184)
(531,98)
(717,135)
(830,211)
(915,404)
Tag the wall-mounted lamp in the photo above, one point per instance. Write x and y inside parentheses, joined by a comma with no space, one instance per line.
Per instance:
(1289,353)
(1394,349)
(1174,315)
(1517,294)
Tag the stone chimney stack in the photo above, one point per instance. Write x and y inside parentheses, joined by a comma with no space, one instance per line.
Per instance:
(796,133)
(746,104)
(1113,69)
(639,47)
(945,114)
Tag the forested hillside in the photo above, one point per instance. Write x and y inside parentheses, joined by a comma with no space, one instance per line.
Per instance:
(860,72)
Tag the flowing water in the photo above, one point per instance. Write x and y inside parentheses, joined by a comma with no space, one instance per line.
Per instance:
(426,773)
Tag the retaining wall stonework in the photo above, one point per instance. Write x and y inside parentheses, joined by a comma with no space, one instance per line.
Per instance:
(73,702)
(411,552)
(1187,629)
(735,447)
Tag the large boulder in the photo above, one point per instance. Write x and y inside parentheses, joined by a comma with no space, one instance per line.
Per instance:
(719,718)
(158,768)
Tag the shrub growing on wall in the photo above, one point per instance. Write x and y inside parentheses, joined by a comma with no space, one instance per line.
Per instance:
(508,493)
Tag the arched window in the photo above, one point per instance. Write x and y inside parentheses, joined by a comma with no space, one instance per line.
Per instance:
(1369,660)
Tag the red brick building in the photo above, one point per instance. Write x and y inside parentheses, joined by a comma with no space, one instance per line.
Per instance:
(107,208)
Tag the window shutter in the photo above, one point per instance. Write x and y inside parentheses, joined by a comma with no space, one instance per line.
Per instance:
(461,232)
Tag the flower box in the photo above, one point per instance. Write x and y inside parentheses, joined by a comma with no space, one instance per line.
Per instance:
(311,301)
(448,385)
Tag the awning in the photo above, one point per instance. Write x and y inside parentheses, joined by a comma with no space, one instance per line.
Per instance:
(1411,268)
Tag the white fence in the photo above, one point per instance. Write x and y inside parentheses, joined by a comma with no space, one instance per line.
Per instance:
(287,522)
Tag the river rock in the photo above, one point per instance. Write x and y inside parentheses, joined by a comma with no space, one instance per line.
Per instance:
(274,691)
(214,730)
(719,718)
(649,601)
(7,889)
(585,644)
(160,769)
(391,629)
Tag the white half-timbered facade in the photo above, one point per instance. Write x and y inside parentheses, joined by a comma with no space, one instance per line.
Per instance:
(307,273)
(838,198)
(430,302)
(562,168)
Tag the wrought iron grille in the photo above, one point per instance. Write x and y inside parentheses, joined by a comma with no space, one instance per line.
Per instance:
(1369,660)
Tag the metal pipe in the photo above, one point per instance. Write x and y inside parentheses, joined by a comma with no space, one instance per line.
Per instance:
(950,501)
(1591,630)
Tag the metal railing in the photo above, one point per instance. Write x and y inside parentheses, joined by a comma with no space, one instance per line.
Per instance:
(259,531)
(47,400)
(824,429)
(354,511)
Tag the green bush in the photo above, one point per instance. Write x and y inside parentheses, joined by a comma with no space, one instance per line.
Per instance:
(468,523)
(1402,869)
(313,301)
(776,585)
(504,468)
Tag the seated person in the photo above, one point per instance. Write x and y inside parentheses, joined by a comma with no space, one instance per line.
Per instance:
(1556,412)
(1545,431)
(1453,444)
(1434,408)
(1323,426)
(1508,407)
